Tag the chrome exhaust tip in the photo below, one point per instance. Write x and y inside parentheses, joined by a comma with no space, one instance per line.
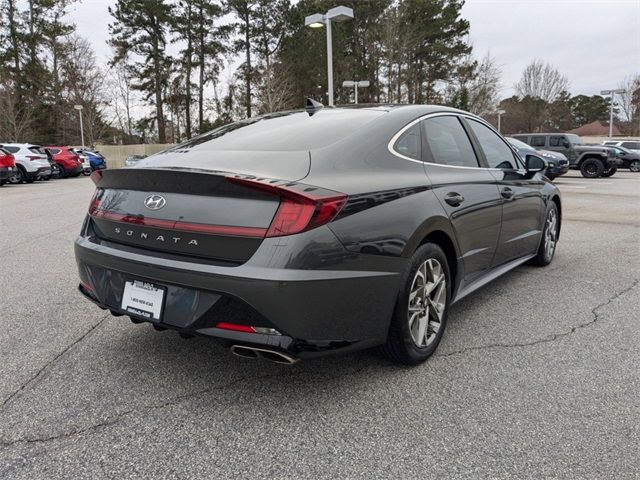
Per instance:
(274,356)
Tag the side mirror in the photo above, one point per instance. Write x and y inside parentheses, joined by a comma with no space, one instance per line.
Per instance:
(534,164)
(566,144)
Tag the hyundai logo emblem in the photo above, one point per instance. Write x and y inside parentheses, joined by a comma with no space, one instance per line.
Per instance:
(154,202)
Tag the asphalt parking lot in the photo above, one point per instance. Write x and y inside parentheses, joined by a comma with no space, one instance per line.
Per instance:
(538,374)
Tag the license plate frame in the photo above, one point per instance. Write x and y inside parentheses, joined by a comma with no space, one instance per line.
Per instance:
(143,299)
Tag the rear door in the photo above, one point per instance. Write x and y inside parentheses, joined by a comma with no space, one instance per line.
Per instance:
(523,206)
(467,192)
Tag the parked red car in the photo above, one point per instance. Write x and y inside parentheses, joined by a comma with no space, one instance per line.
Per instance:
(7,166)
(67,160)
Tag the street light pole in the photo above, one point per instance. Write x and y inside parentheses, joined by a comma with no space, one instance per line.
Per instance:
(500,113)
(329,61)
(355,84)
(318,20)
(612,93)
(79,108)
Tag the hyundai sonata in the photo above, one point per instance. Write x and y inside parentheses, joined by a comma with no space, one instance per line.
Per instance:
(304,233)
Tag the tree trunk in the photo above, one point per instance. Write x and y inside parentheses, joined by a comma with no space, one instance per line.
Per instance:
(13,32)
(162,138)
(201,58)
(247,46)
(188,75)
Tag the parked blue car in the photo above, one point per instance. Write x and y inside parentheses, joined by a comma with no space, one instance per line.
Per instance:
(97,161)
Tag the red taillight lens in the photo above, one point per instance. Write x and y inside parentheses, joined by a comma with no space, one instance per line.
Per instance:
(32,157)
(235,327)
(302,207)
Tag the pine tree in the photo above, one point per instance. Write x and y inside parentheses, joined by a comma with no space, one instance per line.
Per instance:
(140,28)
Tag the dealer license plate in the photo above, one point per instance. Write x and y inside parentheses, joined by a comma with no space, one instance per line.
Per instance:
(143,299)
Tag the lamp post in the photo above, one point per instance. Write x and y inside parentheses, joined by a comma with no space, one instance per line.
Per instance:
(318,20)
(355,84)
(500,113)
(79,108)
(612,93)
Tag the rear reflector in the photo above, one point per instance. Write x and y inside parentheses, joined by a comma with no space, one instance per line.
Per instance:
(302,207)
(246,328)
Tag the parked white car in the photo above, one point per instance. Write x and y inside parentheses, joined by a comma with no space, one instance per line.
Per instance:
(633,145)
(31,162)
(84,158)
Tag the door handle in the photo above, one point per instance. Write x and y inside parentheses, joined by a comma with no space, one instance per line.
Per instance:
(454,199)
(507,193)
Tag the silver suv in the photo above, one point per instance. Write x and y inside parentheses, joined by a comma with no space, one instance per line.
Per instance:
(31,162)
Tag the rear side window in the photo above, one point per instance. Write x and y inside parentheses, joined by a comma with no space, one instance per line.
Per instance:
(54,151)
(11,149)
(448,142)
(631,145)
(409,143)
(537,141)
(556,141)
(497,152)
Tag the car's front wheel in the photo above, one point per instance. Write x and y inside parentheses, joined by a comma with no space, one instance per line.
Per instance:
(422,307)
(547,248)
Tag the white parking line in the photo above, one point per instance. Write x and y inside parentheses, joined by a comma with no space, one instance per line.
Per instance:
(571,186)
(564,182)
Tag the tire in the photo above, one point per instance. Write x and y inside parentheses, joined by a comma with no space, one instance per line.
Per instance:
(412,339)
(635,166)
(610,172)
(591,168)
(2,182)
(18,177)
(547,250)
(62,173)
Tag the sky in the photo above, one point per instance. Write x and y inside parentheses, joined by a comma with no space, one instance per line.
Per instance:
(596,44)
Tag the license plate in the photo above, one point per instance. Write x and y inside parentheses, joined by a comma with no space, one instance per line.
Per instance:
(143,299)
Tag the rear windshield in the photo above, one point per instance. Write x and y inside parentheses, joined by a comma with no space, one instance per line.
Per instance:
(36,149)
(285,131)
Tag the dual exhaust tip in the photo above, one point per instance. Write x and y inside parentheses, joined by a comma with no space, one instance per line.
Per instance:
(275,356)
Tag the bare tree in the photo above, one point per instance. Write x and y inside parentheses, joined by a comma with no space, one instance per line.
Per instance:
(629,102)
(122,98)
(17,116)
(485,87)
(541,80)
(275,89)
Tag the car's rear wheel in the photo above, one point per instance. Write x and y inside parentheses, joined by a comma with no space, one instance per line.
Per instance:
(635,166)
(609,172)
(422,307)
(18,176)
(547,248)
(591,168)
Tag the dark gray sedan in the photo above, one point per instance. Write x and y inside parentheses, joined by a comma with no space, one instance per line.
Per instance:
(304,233)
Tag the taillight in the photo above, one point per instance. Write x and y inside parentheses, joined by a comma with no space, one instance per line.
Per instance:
(302,207)
(34,157)
(236,327)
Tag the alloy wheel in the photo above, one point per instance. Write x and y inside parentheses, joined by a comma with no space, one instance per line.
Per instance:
(550,234)
(635,166)
(427,302)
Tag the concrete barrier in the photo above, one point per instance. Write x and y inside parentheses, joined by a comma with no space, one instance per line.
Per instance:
(116,154)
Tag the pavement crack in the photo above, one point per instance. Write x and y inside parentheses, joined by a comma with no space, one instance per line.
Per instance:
(47,365)
(552,337)
(169,403)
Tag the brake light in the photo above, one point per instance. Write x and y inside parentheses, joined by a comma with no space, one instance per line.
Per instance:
(33,157)
(302,207)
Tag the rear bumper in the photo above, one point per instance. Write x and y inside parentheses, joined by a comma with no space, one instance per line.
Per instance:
(6,172)
(344,306)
